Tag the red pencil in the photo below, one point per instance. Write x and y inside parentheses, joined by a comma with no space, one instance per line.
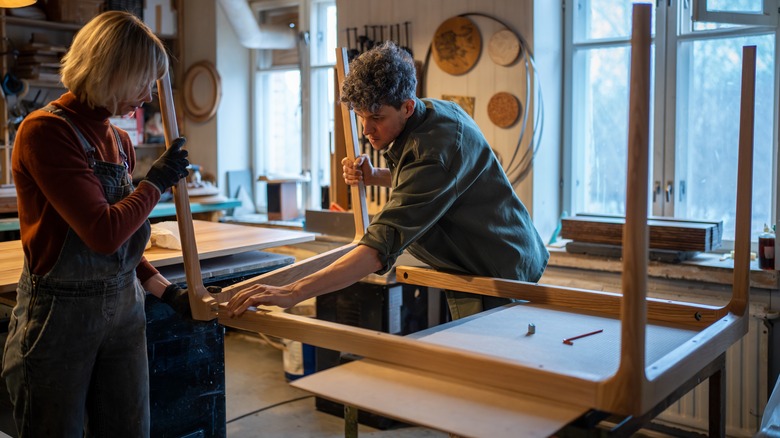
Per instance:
(568,341)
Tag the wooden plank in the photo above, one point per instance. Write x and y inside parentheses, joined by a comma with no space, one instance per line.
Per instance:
(672,235)
(358,191)
(339,191)
(740,299)
(439,402)
(214,240)
(675,312)
(633,306)
(203,306)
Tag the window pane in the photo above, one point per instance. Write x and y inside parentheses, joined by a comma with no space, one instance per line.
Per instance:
(324,35)
(708,101)
(322,129)
(603,19)
(600,121)
(283,126)
(755,6)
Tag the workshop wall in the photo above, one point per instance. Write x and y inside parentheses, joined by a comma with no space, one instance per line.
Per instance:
(208,36)
(485,78)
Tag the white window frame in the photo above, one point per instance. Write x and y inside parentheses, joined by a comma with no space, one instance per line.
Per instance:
(664,103)
(315,160)
(767,17)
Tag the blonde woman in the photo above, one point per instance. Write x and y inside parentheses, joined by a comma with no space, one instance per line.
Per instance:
(75,359)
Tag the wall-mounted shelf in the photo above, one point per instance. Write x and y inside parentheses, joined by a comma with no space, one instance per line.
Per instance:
(34,83)
(41,24)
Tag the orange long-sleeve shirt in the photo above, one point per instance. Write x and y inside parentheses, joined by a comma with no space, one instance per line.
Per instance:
(56,189)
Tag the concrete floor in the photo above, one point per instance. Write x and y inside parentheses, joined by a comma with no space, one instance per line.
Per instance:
(260,402)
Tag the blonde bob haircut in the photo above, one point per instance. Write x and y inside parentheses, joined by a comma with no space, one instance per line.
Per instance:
(114,58)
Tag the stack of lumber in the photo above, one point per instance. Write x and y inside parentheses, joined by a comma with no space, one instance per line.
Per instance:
(39,61)
(7,199)
(665,233)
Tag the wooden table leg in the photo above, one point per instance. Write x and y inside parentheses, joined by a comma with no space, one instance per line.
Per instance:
(350,421)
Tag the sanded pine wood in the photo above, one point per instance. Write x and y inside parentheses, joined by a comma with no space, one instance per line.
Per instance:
(633,311)
(739,300)
(203,306)
(216,239)
(674,312)
(339,191)
(358,191)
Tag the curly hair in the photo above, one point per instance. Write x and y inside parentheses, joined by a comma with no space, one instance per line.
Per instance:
(114,57)
(384,75)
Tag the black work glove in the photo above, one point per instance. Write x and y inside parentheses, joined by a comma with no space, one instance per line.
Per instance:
(170,167)
(179,299)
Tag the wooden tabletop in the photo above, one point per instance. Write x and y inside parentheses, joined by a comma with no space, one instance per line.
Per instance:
(469,409)
(214,239)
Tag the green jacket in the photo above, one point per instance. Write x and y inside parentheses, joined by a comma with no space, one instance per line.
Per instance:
(452,206)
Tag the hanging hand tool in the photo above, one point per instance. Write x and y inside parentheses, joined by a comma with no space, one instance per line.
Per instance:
(353,50)
(408,46)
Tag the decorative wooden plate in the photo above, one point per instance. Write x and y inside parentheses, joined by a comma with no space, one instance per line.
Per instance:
(503,109)
(457,45)
(202,91)
(504,47)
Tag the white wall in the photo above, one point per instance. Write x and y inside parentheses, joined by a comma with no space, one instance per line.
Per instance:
(223,142)
(234,118)
(200,41)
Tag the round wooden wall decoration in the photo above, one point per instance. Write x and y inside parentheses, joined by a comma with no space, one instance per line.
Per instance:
(504,47)
(457,44)
(202,91)
(503,109)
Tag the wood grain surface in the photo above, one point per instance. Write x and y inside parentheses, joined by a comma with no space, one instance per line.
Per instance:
(214,240)
(457,45)
(430,400)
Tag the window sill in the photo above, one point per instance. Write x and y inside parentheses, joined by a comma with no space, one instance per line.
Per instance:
(705,268)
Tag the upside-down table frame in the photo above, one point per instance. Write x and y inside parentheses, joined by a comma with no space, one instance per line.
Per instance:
(689,337)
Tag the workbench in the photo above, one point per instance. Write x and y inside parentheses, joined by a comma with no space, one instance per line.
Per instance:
(186,358)
(214,240)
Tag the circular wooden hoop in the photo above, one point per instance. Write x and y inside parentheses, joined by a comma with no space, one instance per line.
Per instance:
(195,108)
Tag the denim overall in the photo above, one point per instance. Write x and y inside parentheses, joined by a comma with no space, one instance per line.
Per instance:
(75,359)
